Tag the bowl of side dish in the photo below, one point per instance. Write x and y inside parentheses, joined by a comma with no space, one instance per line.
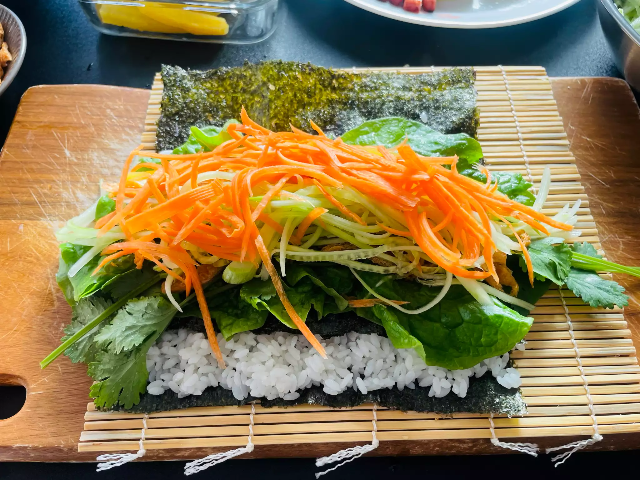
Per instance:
(617,20)
(13,46)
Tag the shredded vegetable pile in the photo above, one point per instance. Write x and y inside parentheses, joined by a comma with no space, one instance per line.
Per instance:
(294,195)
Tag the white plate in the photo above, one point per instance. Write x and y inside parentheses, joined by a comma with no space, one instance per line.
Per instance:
(470,13)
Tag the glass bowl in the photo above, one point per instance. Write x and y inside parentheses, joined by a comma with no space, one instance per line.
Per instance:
(239,21)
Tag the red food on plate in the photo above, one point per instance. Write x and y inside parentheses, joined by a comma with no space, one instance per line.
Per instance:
(396,2)
(429,5)
(412,5)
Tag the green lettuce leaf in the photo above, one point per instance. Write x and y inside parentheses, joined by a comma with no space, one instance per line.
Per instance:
(526,292)
(134,323)
(592,288)
(551,259)
(157,161)
(120,370)
(330,279)
(426,141)
(235,315)
(513,185)
(204,139)
(262,295)
(457,333)
(85,349)
(105,206)
(84,283)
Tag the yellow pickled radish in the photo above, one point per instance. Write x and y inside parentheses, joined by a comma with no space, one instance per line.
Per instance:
(130,17)
(196,23)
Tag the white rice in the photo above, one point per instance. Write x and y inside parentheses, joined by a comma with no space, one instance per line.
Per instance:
(282,364)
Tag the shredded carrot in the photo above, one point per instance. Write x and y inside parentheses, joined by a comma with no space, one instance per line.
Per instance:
(306,223)
(343,209)
(449,216)
(277,283)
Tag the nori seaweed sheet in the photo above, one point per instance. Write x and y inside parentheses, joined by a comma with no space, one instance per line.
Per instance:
(331,325)
(277,94)
(485,394)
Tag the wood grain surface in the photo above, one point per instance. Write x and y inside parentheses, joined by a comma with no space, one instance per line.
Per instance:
(65,139)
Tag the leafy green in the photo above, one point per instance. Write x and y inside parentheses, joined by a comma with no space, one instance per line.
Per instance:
(157,161)
(526,292)
(85,349)
(236,316)
(120,378)
(89,325)
(595,290)
(263,296)
(330,279)
(551,259)
(84,283)
(426,141)
(585,248)
(205,138)
(585,257)
(513,185)
(121,284)
(105,206)
(592,288)
(457,333)
(135,322)
(391,131)
(120,369)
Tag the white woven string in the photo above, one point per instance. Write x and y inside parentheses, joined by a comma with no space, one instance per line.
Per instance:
(579,445)
(350,454)
(109,461)
(211,460)
(518,128)
(528,448)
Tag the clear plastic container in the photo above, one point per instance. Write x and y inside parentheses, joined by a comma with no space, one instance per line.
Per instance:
(239,21)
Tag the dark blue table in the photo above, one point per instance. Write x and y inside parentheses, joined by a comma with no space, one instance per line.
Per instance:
(63,48)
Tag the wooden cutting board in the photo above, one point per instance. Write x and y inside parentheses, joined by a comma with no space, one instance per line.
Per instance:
(65,139)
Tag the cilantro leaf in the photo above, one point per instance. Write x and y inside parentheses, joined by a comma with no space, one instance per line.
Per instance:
(595,290)
(551,259)
(87,309)
(591,287)
(120,378)
(120,370)
(586,249)
(134,323)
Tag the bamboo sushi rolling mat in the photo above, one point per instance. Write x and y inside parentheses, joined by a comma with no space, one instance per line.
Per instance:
(520,130)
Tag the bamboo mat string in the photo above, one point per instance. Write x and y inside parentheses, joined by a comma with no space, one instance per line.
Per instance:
(350,454)
(109,461)
(579,445)
(518,127)
(211,460)
(528,448)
